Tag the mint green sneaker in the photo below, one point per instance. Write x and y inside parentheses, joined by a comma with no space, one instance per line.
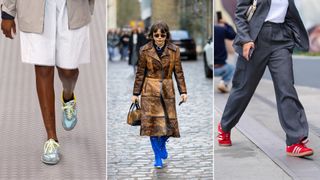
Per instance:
(69,114)
(50,152)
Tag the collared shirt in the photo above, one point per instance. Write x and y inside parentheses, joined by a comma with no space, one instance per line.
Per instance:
(278,11)
(159,50)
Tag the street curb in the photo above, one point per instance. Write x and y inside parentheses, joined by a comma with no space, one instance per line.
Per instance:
(302,57)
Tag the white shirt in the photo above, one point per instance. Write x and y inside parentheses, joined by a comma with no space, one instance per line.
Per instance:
(278,11)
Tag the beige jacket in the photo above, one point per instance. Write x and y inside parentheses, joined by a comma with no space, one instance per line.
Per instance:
(30,13)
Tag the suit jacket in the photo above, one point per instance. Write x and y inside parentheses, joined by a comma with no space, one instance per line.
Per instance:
(30,13)
(248,31)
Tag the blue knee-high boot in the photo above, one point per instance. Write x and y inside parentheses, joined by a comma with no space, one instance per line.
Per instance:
(157,151)
(164,152)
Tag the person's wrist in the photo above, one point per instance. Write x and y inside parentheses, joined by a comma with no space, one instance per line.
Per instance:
(5,15)
(249,42)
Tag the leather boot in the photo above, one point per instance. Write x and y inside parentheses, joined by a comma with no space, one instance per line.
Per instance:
(157,152)
(164,152)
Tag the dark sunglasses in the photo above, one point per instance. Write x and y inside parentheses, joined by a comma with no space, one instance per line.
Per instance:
(158,35)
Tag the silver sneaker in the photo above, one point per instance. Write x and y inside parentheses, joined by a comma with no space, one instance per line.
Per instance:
(51,152)
(69,114)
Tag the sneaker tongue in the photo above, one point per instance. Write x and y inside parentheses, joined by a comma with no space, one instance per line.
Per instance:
(305,141)
(70,103)
(50,147)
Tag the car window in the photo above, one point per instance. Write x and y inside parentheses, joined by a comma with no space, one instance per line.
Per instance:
(179,35)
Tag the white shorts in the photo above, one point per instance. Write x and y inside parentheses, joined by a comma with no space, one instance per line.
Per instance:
(57,45)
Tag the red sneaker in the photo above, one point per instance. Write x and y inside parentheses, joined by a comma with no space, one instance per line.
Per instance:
(223,137)
(299,149)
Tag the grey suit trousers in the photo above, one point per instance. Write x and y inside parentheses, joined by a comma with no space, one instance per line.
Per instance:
(273,48)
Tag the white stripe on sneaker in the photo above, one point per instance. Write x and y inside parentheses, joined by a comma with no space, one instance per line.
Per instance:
(297,150)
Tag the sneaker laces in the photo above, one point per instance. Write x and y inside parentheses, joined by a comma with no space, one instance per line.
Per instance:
(50,146)
(69,109)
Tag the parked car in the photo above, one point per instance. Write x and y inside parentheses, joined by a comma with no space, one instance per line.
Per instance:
(208,58)
(185,42)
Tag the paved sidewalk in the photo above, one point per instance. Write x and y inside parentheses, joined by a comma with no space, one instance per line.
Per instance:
(21,126)
(130,156)
(262,134)
(244,160)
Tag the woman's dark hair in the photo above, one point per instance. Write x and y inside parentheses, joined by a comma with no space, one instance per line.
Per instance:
(162,26)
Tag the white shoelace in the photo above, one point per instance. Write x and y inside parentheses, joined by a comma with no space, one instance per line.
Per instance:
(69,108)
(50,146)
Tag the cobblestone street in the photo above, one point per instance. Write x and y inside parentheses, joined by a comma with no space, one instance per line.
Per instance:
(131,157)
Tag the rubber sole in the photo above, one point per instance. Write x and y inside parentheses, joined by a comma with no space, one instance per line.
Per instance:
(158,167)
(300,154)
(49,163)
(225,144)
(222,90)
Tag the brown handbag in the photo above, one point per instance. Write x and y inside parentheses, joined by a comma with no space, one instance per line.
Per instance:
(134,115)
